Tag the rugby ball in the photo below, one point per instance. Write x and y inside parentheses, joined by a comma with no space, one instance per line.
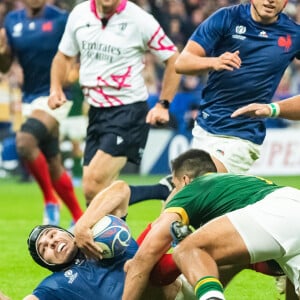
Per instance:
(112,235)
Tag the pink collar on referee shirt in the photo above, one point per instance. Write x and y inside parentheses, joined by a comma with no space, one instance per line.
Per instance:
(119,9)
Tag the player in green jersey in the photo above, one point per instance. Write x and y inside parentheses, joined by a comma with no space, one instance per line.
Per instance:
(240,221)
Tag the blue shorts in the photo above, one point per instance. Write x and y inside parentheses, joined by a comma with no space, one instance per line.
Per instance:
(118,131)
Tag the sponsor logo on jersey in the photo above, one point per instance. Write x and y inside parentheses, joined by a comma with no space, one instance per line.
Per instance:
(119,140)
(205,115)
(285,42)
(17,30)
(240,30)
(220,151)
(48,26)
(70,276)
(123,26)
(263,34)
(31,26)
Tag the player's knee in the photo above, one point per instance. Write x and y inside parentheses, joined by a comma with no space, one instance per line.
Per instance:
(180,253)
(92,185)
(25,144)
(32,133)
(90,190)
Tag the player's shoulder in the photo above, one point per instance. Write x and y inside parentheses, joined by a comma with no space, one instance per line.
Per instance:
(233,11)
(52,11)
(84,6)
(15,14)
(286,20)
(139,14)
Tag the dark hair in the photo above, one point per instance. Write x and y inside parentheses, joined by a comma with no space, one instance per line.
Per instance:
(34,236)
(194,162)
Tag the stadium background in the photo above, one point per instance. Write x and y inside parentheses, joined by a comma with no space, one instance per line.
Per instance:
(20,204)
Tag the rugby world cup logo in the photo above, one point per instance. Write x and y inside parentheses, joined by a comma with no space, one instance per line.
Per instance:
(240,29)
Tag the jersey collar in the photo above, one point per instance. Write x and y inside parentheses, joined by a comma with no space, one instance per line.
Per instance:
(119,9)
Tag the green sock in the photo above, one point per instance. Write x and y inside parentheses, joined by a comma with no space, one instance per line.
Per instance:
(208,284)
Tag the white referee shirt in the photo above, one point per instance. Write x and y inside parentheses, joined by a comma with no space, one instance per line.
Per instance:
(112,57)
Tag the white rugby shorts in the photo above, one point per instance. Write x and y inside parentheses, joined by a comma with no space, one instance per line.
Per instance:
(41,103)
(237,155)
(270,229)
(74,127)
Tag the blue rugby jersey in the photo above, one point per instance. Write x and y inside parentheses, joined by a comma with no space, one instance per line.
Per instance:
(34,41)
(87,279)
(265,51)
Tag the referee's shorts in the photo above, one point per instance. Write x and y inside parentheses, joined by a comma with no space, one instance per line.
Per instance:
(118,131)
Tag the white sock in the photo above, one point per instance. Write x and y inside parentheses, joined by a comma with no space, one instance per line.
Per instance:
(212,294)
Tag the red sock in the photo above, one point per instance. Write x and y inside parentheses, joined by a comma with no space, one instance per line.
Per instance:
(64,188)
(165,271)
(39,170)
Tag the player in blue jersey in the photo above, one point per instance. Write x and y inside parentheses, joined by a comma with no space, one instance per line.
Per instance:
(31,35)
(76,278)
(246,49)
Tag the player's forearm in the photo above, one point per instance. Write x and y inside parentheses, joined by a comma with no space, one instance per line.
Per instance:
(191,64)
(171,79)
(290,108)
(136,282)
(61,65)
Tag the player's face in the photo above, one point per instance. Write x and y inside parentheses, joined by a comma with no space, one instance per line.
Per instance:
(266,11)
(56,246)
(35,4)
(107,6)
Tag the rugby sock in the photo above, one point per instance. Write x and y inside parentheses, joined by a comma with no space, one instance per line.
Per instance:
(165,271)
(64,188)
(39,170)
(148,192)
(209,287)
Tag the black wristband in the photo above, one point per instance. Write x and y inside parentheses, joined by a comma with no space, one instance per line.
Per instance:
(164,103)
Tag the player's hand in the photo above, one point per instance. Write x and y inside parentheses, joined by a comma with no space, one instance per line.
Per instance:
(253,110)
(3,41)
(56,99)
(85,242)
(227,61)
(158,115)
(3,297)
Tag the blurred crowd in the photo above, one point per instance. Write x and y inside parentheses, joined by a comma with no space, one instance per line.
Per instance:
(179,18)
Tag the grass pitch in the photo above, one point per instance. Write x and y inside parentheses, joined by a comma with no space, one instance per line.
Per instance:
(21,209)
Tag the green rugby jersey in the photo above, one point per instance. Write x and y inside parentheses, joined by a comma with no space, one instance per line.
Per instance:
(214,194)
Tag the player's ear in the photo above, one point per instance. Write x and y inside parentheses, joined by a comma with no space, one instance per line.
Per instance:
(186,179)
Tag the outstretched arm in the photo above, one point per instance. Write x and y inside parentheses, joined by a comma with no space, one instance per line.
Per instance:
(112,200)
(193,60)
(287,109)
